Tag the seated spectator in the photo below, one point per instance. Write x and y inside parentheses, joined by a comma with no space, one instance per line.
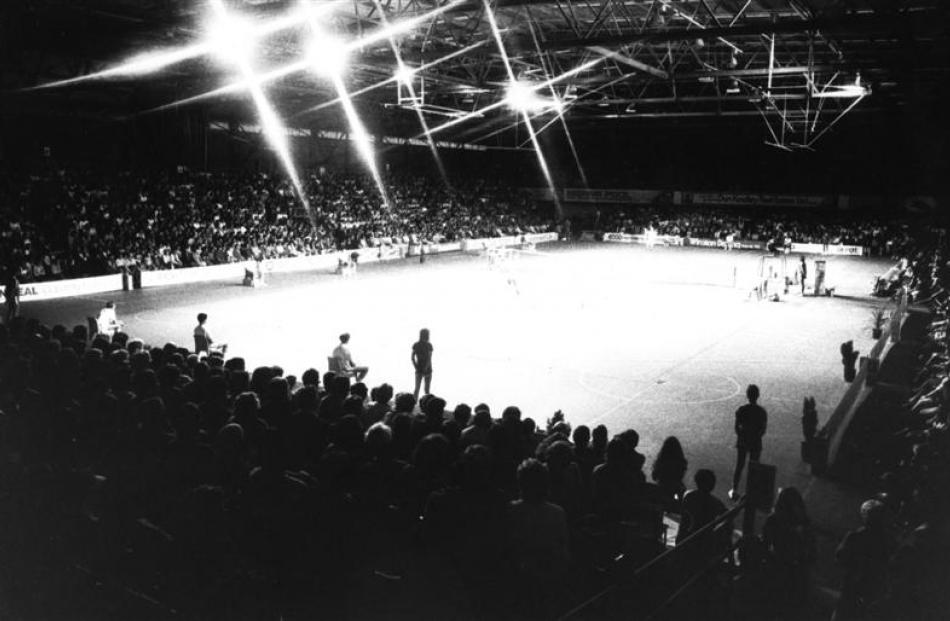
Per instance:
(107,321)
(700,507)
(344,359)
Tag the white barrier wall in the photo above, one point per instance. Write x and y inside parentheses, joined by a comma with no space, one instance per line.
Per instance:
(113,282)
(671,240)
(829,249)
(64,288)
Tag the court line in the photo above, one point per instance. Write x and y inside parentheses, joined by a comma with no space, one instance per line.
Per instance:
(737,390)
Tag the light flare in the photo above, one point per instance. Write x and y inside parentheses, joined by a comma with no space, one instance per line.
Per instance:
(542,161)
(271,125)
(498,104)
(328,65)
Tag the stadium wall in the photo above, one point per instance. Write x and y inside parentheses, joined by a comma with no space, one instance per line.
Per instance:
(113,282)
(673,240)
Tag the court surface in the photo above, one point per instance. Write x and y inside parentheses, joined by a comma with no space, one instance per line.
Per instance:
(658,340)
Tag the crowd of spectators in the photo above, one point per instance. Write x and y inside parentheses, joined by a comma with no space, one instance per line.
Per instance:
(893,563)
(202,485)
(206,488)
(881,237)
(70,224)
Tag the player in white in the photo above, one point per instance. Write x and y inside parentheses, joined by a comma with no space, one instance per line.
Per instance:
(107,321)
(650,236)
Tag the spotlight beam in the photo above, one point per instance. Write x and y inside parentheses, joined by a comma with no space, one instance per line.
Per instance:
(542,161)
(273,129)
(150,62)
(330,46)
(361,138)
(234,87)
(562,109)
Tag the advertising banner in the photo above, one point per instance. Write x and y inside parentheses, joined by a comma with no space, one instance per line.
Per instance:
(621,197)
(627,238)
(754,199)
(829,249)
(65,288)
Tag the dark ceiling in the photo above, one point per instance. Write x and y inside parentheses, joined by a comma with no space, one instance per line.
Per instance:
(675,59)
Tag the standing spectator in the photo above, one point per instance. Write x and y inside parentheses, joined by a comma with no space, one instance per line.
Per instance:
(669,468)
(802,272)
(598,444)
(345,359)
(790,542)
(751,421)
(422,361)
(583,453)
(614,484)
(11,293)
(864,554)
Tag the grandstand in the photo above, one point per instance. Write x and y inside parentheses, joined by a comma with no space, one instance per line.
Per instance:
(628,227)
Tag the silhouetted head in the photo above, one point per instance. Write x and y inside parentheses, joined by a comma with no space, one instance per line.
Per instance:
(581,436)
(405,402)
(705,480)
(790,504)
(752,393)
(533,480)
(511,415)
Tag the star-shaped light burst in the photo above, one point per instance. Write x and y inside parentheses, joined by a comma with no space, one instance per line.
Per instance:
(232,38)
(522,98)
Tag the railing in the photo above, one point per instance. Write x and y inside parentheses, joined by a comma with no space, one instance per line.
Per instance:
(834,430)
(674,554)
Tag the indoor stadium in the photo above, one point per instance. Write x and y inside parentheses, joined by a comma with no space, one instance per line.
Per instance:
(474,309)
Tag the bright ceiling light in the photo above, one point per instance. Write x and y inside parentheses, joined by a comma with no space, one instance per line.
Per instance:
(404,75)
(522,97)
(327,55)
(231,38)
(848,91)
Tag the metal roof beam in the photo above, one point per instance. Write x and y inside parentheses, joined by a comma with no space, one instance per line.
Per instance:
(630,62)
(851,24)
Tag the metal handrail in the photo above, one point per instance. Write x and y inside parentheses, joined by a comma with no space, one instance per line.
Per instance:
(725,517)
